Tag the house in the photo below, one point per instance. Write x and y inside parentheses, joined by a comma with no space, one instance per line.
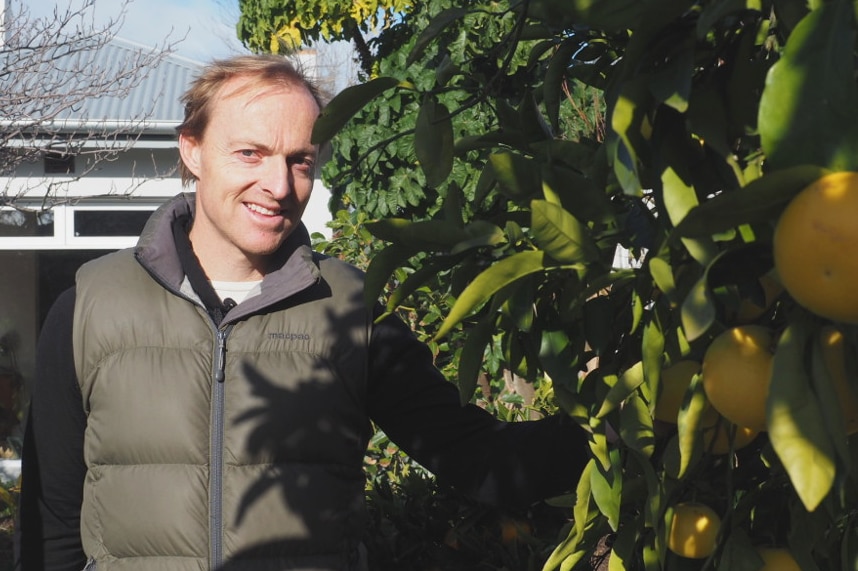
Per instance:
(61,207)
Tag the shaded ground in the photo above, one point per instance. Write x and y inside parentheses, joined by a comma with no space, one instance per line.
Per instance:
(7,530)
(598,561)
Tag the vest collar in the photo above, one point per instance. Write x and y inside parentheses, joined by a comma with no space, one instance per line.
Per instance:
(158,252)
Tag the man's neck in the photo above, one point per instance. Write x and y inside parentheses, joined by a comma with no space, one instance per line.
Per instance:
(229,266)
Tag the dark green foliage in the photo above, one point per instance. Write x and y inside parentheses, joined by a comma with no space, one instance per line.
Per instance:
(618,170)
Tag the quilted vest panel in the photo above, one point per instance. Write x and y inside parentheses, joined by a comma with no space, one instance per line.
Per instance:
(263,470)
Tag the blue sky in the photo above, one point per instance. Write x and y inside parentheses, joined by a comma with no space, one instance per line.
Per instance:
(207,26)
(204,30)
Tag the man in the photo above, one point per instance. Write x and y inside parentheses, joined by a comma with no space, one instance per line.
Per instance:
(203,400)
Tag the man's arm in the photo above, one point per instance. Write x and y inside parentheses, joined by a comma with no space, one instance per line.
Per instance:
(508,464)
(53,468)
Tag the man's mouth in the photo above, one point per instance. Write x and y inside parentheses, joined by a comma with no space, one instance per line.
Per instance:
(262,209)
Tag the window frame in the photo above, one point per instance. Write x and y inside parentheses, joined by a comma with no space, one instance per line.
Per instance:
(64,231)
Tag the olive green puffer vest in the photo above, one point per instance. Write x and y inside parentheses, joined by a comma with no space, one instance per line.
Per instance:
(231,448)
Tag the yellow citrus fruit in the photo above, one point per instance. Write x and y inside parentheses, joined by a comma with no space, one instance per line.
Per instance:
(693,530)
(736,374)
(513,530)
(716,433)
(674,382)
(814,245)
(835,361)
(777,559)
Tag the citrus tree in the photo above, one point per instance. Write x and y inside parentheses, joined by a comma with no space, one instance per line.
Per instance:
(699,249)
(275,26)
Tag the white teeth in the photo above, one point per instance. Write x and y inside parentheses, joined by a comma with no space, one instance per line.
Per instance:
(261,210)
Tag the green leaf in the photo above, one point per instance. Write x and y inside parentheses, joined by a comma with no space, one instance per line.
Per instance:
(597,316)
(560,234)
(576,155)
(824,383)
(557,353)
(807,109)
(517,176)
(679,198)
(671,82)
(606,487)
(759,201)
(583,492)
(796,422)
(652,349)
(627,117)
(738,553)
(636,425)
(662,276)
(630,380)
(489,140)
(567,553)
(472,357)
(623,549)
(381,267)
(712,13)
(426,272)
(655,490)
(433,141)
(688,424)
(490,282)
(576,193)
(424,235)
(555,75)
(849,549)
(344,106)
(707,117)
(430,32)
(698,310)
(481,234)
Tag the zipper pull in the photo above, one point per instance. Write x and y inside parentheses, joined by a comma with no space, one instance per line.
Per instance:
(219,374)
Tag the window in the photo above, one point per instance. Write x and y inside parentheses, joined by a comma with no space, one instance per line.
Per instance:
(110,222)
(59,163)
(22,223)
(81,226)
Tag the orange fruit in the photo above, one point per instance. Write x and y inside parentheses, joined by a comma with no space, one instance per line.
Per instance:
(736,374)
(716,433)
(693,530)
(674,382)
(835,361)
(814,245)
(777,559)
(513,530)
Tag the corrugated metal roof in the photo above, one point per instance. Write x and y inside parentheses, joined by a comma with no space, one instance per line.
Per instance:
(157,95)
(153,101)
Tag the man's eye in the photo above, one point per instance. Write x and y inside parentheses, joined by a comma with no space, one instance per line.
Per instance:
(247,152)
(304,162)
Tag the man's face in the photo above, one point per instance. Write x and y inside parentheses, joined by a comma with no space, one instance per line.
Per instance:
(255,167)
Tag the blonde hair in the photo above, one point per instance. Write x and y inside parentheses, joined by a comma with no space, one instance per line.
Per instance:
(264,69)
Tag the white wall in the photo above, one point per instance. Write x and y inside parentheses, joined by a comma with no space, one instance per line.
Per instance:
(140,174)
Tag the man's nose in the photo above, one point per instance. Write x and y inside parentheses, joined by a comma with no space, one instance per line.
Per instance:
(276,178)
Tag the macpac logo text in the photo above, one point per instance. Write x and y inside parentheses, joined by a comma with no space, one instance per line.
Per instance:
(289,336)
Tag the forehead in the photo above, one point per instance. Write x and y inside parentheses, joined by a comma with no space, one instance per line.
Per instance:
(245,90)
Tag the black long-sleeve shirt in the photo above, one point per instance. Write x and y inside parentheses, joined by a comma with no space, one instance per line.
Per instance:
(509,464)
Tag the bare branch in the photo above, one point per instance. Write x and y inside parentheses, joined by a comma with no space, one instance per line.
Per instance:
(49,78)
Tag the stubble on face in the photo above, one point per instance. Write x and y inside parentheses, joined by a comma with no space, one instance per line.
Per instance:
(255,167)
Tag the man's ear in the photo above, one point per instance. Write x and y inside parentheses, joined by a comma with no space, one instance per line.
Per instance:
(189,150)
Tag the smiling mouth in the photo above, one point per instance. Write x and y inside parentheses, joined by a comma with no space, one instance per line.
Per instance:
(262,210)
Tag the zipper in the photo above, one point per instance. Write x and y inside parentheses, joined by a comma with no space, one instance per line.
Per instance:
(216,451)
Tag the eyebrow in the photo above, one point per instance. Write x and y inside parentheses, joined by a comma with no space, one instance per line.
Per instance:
(311,151)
